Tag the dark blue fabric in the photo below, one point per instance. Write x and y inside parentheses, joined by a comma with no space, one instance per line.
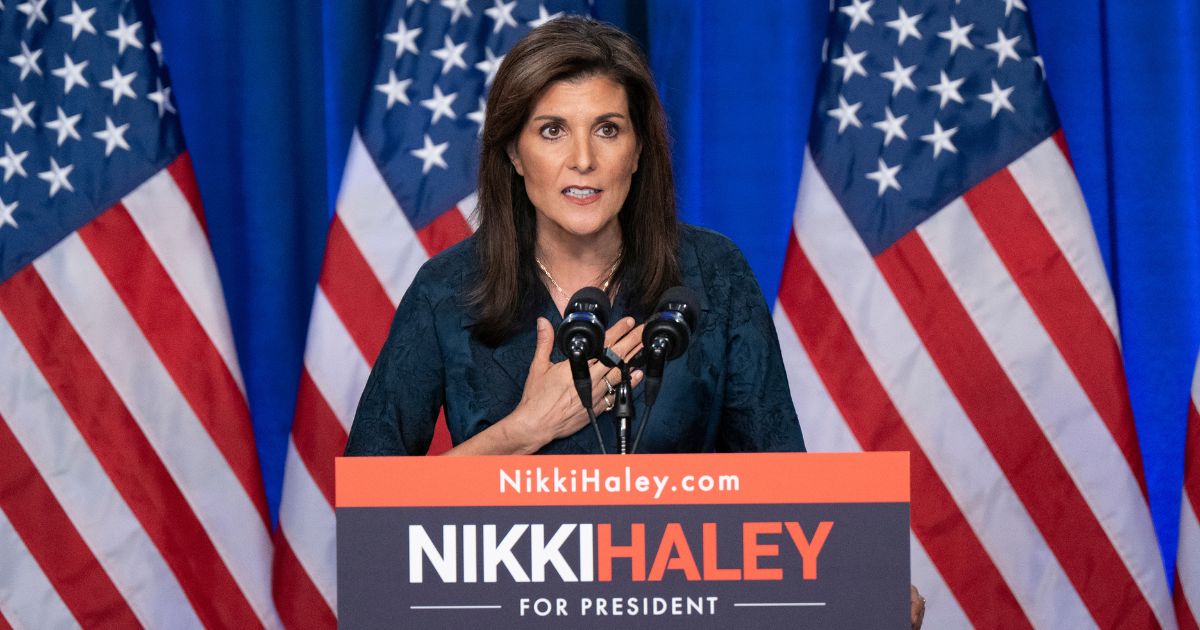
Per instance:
(728,392)
(268,92)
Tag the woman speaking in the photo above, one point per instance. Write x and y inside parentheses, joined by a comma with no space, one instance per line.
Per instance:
(575,190)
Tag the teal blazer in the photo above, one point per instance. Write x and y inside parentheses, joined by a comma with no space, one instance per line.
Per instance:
(728,392)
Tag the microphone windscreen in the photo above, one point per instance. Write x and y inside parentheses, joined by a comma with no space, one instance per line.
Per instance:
(592,300)
(684,300)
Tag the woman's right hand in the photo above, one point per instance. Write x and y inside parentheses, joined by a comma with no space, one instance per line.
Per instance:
(549,407)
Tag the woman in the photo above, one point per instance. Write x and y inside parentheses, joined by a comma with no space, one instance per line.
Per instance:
(575,190)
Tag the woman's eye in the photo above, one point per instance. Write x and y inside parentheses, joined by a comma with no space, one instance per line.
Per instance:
(608,130)
(550,132)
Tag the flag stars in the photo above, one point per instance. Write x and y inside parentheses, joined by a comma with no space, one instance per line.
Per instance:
(405,39)
(395,89)
(489,66)
(71,73)
(891,126)
(451,54)
(120,84)
(161,97)
(479,115)
(958,36)
(6,214)
(1041,63)
(501,13)
(125,34)
(19,114)
(35,10)
(79,20)
(905,25)
(850,62)
(65,126)
(859,12)
(846,114)
(12,162)
(431,155)
(900,76)
(113,136)
(1004,48)
(940,139)
(440,105)
(57,177)
(948,90)
(998,98)
(459,8)
(27,61)
(543,16)
(885,176)
(1009,4)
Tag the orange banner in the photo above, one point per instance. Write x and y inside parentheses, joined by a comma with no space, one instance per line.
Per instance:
(713,478)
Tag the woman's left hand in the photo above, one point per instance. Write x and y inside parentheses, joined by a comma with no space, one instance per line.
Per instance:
(918,607)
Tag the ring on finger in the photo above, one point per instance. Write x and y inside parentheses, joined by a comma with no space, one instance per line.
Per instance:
(609,404)
(611,390)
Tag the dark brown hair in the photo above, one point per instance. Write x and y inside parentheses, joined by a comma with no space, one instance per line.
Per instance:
(565,49)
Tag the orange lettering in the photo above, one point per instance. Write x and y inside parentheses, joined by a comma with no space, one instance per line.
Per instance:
(711,570)
(673,539)
(635,551)
(752,551)
(809,550)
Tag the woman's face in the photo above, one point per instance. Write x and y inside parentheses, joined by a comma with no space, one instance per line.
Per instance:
(578,153)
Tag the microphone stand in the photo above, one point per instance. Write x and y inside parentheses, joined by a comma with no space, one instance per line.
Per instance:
(623,406)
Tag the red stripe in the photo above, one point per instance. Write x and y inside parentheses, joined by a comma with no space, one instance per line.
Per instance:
(318,435)
(4,622)
(447,229)
(179,341)
(355,293)
(64,557)
(1013,436)
(185,178)
(951,543)
(123,451)
(297,599)
(1062,304)
(1183,612)
(441,436)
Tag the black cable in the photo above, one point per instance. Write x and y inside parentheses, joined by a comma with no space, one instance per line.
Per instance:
(642,427)
(596,427)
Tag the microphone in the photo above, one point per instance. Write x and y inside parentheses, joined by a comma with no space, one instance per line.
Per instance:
(581,337)
(667,334)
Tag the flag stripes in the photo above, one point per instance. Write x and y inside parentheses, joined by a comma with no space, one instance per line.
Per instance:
(872,419)
(356,296)
(1187,568)
(1064,308)
(117,343)
(94,390)
(26,596)
(304,607)
(36,530)
(1001,417)
(927,348)
(178,340)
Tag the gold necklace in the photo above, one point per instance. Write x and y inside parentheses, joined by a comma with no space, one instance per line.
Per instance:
(557,287)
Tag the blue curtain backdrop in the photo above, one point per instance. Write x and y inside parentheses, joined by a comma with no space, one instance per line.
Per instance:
(268,92)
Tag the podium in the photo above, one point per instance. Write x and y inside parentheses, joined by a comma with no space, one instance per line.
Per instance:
(797,540)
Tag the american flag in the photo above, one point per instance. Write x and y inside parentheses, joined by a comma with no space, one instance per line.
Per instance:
(130,492)
(943,294)
(407,193)
(1187,568)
